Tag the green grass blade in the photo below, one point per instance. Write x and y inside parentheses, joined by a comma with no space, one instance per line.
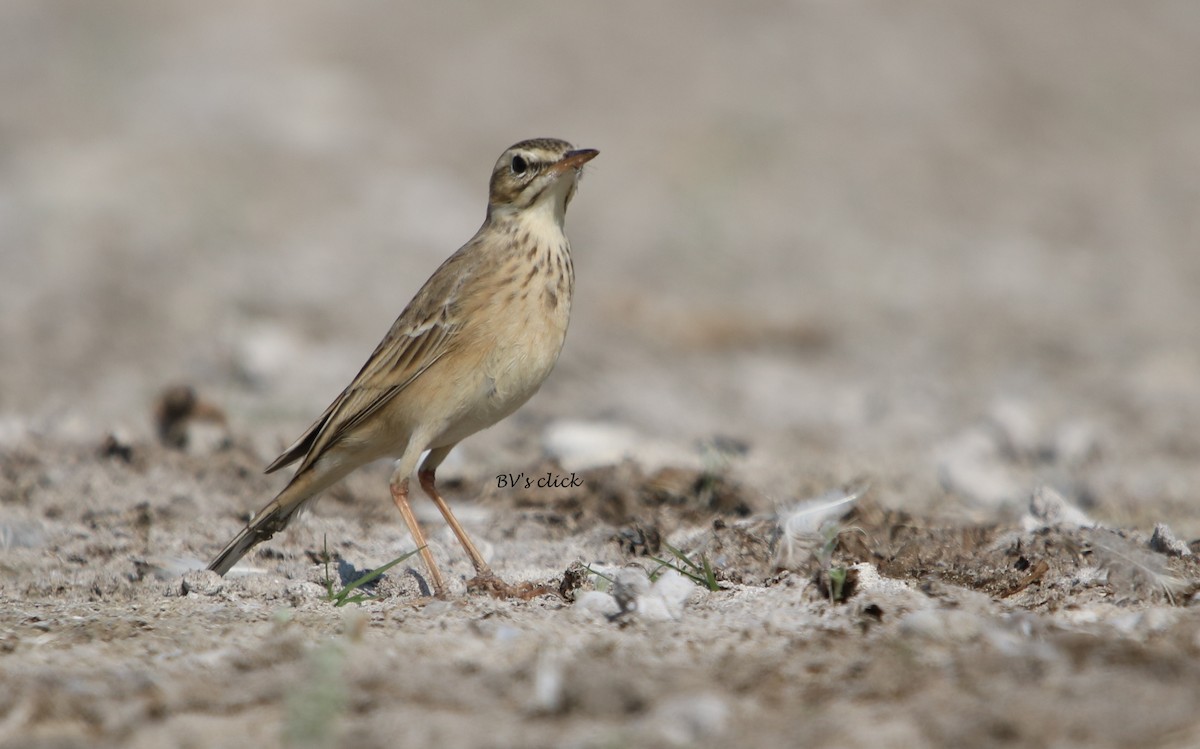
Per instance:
(343,596)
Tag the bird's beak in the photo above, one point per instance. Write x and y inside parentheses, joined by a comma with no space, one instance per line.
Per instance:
(575,159)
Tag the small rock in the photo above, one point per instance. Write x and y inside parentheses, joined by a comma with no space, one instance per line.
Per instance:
(579,445)
(263,351)
(666,598)
(177,409)
(202,583)
(633,594)
(1049,509)
(582,445)
(575,579)
(630,584)
(116,445)
(1164,542)
(595,602)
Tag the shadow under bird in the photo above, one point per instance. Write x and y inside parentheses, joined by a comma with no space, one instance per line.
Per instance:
(473,345)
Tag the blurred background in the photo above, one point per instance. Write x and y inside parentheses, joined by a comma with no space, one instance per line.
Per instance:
(951,248)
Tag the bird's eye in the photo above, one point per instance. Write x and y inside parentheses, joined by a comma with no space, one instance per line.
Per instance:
(519,165)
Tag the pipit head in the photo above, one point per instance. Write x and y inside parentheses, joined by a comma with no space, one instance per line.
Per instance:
(530,174)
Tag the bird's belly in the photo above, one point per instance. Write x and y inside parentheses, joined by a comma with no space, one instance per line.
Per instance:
(510,372)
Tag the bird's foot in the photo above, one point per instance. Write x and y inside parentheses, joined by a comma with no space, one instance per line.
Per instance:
(489,583)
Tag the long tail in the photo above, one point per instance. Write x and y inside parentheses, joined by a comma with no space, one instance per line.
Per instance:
(269,521)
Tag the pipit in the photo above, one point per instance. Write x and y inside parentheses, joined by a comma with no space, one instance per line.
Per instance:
(473,345)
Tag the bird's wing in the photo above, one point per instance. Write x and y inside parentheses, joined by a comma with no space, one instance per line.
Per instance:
(422,334)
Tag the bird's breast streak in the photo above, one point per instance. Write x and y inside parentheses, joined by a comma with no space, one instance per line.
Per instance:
(517,368)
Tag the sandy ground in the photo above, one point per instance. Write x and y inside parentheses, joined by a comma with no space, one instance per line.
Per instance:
(946,256)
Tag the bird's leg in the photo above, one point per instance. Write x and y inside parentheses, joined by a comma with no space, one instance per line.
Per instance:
(485,580)
(427,479)
(400,497)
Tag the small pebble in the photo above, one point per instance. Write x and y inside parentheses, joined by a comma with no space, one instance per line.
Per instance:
(202,583)
(629,585)
(1049,509)
(595,602)
(1164,542)
(579,445)
(666,598)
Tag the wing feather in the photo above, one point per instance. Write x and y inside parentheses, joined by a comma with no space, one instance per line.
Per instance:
(422,334)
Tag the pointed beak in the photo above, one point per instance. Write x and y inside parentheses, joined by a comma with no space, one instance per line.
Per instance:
(575,159)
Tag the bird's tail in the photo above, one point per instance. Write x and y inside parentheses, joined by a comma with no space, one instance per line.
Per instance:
(266,523)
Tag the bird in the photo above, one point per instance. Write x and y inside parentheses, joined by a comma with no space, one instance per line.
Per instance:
(474,344)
